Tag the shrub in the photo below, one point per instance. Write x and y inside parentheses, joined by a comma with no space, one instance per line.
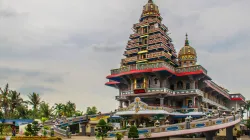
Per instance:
(26,133)
(133,132)
(46,127)
(147,135)
(34,138)
(2,138)
(119,135)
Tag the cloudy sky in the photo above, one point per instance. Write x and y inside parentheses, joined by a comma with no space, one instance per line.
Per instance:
(64,49)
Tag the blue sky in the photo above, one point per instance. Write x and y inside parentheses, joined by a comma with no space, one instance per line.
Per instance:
(64,49)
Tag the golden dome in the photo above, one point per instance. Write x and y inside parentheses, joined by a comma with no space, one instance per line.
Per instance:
(187,53)
(150,9)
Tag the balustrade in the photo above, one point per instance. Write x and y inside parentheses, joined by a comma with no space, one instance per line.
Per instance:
(158,54)
(129,59)
(131,51)
(180,126)
(154,65)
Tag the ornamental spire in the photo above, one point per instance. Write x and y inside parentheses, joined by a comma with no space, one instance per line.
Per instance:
(186,41)
(150,1)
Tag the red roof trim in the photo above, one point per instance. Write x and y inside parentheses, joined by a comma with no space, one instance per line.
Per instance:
(154,70)
(217,90)
(112,83)
(237,99)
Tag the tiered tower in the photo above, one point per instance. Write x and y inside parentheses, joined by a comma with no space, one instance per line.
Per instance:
(150,41)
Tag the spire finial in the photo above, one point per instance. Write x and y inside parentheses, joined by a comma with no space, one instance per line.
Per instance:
(150,1)
(186,41)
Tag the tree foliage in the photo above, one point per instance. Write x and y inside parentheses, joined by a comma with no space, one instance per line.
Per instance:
(133,132)
(102,129)
(12,106)
(91,110)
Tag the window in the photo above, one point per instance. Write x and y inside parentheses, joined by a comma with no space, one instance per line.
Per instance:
(145,41)
(179,85)
(156,80)
(187,85)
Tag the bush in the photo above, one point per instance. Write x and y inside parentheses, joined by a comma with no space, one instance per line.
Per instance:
(133,132)
(147,135)
(34,138)
(119,135)
(26,133)
(2,138)
(46,127)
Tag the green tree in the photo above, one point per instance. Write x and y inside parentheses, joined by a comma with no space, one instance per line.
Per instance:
(34,100)
(43,120)
(59,109)
(35,128)
(15,100)
(91,111)
(133,132)
(28,130)
(102,129)
(119,135)
(248,123)
(70,109)
(45,110)
(79,113)
(5,100)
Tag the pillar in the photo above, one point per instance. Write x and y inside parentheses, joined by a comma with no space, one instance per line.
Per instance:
(194,103)
(229,133)
(83,127)
(169,102)
(121,104)
(210,135)
(161,101)
(184,102)
(92,131)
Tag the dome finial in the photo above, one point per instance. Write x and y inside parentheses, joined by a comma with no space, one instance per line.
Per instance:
(186,41)
(150,1)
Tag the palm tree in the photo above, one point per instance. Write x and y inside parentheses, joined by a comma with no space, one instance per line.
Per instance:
(14,100)
(34,100)
(45,110)
(4,100)
(71,108)
(59,109)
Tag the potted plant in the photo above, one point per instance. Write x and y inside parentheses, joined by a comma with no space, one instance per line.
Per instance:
(238,134)
(119,136)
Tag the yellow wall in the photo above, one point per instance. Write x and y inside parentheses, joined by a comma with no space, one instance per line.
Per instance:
(94,121)
(223,132)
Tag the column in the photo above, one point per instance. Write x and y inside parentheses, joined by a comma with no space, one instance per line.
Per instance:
(194,103)
(210,135)
(83,126)
(161,101)
(184,102)
(169,102)
(229,133)
(121,104)
(192,84)
(92,131)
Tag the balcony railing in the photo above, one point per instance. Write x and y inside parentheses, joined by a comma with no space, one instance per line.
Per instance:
(190,69)
(146,22)
(214,103)
(129,59)
(189,91)
(217,88)
(158,54)
(131,52)
(127,92)
(143,66)
(120,97)
(165,90)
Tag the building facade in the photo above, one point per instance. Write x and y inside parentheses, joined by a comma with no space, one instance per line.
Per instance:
(155,83)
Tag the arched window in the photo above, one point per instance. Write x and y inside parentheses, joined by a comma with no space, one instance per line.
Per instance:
(179,85)
(156,80)
(187,85)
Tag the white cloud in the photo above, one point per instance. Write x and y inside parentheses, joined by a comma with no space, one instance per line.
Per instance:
(60,37)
